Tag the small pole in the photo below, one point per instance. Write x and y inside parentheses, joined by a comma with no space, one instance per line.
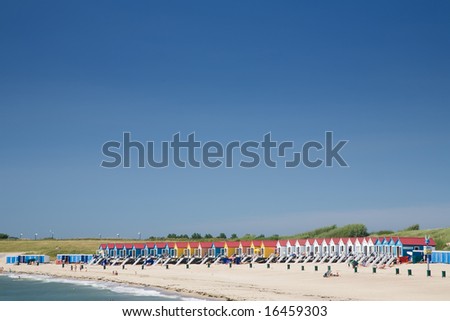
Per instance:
(288,266)
(374,269)
(427,241)
(444,274)
(303,268)
(250,265)
(397,271)
(356,269)
(187,266)
(167,266)
(409,272)
(316,268)
(268,265)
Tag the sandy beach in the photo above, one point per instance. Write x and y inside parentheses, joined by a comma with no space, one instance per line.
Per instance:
(240,282)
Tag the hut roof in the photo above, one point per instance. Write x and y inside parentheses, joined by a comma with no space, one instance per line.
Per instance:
(182,244)
(232,244)
(257,243)
(160,245)
(270,243)
(416,241)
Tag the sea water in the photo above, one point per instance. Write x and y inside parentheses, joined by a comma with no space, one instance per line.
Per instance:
(20,287)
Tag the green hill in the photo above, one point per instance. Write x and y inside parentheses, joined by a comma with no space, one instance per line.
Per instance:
(351,230)
(51,247)
(440,235)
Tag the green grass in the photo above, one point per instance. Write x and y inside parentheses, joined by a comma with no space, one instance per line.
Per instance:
(52,247)
(351,230)
(440,235)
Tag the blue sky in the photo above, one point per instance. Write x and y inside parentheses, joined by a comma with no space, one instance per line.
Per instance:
(75,75)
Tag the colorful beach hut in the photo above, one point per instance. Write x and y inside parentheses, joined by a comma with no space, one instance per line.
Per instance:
(334,246)
(128,247)
(195,249)
(219,248)
(149,249)
(317,246)
(246,247)
(415,244)
(350,245)
(309,246)
(180,248)
(138,249)
(206,249)
(73,258)
(102,250)
(325,247)
(111,250)
(282,247)
(171,249)
(15,259)
(290,247)
(300,247)
(256,246)
(365,246)
(119,250)
(380,245)
(161,248)
(268,248)
(371,241)
(231,247)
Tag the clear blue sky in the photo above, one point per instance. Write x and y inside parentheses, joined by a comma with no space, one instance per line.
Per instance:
(75,75)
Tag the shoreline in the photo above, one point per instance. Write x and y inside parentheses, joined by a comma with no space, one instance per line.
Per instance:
(241,283)
(162,290)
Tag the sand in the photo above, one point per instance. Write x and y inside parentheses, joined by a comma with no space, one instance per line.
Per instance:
(276,283)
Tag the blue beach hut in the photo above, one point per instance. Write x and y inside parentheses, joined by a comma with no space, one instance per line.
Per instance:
(161,249)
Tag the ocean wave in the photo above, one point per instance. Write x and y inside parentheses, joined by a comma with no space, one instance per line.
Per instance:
(107,286)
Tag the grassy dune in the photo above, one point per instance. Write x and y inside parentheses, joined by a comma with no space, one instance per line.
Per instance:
(440,235)
(52,247)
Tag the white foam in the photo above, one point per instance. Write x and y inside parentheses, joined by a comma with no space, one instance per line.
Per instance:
(108,286)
